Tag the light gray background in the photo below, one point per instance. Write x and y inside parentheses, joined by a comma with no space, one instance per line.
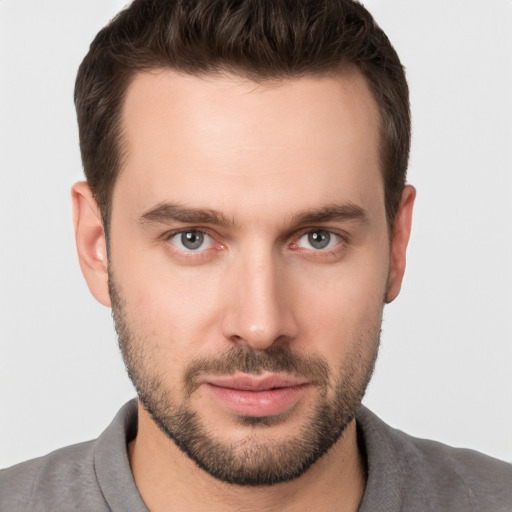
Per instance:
(444,370)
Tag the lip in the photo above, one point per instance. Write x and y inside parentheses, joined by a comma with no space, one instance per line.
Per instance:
(257,395)
(256,382)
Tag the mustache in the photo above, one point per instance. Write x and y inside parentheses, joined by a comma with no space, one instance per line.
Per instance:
(275,359)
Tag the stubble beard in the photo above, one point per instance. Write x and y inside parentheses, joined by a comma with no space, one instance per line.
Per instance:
(251,461)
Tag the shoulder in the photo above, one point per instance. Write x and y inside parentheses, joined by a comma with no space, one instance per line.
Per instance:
(421,474)
(485,481)
(94,475)
(53,482)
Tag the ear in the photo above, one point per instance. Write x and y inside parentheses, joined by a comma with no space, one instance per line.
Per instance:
(90,241)
(401,234)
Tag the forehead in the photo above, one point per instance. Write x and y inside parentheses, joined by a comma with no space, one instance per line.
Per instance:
(213,141)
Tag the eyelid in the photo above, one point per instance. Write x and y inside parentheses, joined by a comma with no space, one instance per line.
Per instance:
(169,235)
(333,231)
(344,239)
(186,229)
(342,243)
(333,240)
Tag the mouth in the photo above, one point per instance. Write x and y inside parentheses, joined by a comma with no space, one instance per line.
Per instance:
(257,395)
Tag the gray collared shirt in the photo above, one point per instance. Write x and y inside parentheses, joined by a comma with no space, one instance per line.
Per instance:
(404,474)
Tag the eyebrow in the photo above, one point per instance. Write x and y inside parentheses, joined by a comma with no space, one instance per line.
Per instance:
(172,212)
(329,213)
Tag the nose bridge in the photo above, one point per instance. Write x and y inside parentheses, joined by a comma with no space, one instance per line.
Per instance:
(258,313)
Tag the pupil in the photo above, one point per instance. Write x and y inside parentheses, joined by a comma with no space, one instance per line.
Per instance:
(192,239)
(319,239)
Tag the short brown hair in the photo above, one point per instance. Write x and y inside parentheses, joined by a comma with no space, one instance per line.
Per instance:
(258,39)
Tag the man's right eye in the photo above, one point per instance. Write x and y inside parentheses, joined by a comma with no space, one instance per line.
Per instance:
(191,240)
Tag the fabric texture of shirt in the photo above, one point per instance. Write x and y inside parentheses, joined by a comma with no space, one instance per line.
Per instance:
(404,474)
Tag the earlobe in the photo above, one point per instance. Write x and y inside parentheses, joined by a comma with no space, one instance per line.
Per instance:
(90,241)
(400,239)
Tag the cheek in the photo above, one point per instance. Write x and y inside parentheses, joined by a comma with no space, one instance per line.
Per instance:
(342,307)
(174,307)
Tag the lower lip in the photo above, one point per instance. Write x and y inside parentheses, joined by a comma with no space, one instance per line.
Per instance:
(267,402)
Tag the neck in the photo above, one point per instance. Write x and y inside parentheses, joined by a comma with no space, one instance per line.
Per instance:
(168,480)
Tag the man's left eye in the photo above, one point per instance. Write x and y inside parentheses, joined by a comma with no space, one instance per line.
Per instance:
(319,240)
(192,240)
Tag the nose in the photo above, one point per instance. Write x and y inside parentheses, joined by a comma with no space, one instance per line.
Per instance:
(259,306)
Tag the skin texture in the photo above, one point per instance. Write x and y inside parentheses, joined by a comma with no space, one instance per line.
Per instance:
(263,158)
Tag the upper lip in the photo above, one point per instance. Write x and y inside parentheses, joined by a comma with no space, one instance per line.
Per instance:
(263,382)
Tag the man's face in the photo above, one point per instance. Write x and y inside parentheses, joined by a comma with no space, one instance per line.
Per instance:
(248,264)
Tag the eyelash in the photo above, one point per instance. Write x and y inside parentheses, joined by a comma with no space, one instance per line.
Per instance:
(319,253)
(191,253)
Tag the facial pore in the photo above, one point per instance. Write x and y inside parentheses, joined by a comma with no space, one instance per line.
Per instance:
(250,462)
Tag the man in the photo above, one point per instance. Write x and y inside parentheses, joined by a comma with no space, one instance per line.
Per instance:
(246,217)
